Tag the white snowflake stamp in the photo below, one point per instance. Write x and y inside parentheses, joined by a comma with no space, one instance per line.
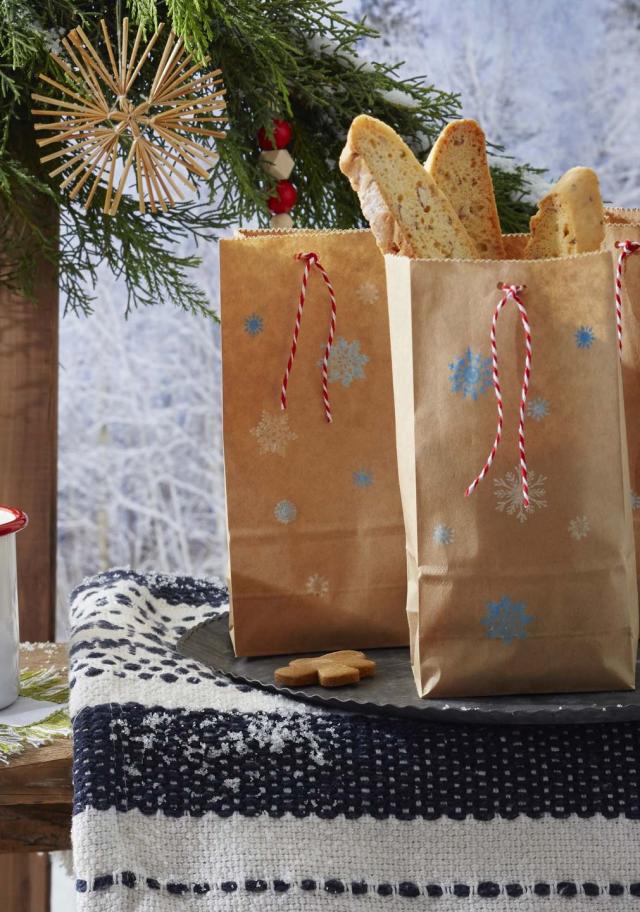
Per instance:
(273,433)
(317,585)
(579,528)
(508,492)
(635,500)
(442,535)
(368,293)
(346,362)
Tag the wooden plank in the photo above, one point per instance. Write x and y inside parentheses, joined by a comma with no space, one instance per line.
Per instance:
(40,775)
(44,780)
(28,435)
(35,807)
(25,883)
(44,655)
(35,828)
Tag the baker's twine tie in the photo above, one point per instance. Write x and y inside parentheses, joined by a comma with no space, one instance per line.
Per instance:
(311,259)
(509,292)
(626,248)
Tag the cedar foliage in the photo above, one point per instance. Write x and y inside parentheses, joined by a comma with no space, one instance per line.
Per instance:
(279,59)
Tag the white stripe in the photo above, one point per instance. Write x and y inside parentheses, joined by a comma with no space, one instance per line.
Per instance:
(139,901)
(215,849)
(190,697)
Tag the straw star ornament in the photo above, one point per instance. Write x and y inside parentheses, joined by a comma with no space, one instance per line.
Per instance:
(112,136)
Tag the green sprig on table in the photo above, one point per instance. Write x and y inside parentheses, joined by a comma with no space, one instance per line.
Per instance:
(40,684)
(298,60)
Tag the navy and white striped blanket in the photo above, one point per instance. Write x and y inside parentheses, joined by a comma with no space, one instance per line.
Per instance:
(195,793)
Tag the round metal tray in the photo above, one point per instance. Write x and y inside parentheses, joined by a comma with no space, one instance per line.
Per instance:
(392,691)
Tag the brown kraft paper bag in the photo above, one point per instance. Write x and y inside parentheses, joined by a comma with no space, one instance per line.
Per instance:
(624,225)
(316,537)
(504,599)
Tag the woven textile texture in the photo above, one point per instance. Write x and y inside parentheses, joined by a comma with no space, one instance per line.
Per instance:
(192,792)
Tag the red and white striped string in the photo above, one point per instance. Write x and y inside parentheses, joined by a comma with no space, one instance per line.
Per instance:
(311,259)
(626,248)
(509,292)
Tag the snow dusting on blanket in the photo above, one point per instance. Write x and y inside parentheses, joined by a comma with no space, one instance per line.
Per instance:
(192,792)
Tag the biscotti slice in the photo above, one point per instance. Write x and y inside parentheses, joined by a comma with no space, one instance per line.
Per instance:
(458,164)
(407,212)
(515,246)
(570,218)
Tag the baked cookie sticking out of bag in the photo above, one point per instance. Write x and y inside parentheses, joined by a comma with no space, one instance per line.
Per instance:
(570,218)
(458,164)
(407,212)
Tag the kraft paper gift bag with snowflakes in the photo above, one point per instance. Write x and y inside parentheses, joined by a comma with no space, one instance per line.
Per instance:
(622,237)
(528,584)
(316,536)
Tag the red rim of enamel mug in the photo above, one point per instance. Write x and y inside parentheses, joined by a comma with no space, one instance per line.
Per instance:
(18,522)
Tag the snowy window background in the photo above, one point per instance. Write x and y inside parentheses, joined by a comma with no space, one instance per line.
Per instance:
(140,463)
(140,466)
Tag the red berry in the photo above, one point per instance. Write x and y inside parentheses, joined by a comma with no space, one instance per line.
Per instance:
(282,134)
(284,198)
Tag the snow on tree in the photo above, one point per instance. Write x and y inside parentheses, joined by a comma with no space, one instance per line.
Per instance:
(552,83)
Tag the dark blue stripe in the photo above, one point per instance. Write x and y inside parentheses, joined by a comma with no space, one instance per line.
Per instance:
(408,889)
(179,762)
(175,590)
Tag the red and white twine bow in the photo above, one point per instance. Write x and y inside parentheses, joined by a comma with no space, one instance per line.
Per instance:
(626,248)
(311,259)
(509,292)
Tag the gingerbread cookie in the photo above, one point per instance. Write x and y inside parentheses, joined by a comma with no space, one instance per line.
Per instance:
(334,669)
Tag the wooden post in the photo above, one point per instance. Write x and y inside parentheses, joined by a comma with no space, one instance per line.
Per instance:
(28,439)
(28,479)
(25,883)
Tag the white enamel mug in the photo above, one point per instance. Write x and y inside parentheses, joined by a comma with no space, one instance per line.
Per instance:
(11,521)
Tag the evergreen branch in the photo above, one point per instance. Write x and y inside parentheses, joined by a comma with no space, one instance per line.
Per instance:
(140,249)
(512,185)
(279,59)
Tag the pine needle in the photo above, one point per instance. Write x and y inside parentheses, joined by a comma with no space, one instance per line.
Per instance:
(39,684)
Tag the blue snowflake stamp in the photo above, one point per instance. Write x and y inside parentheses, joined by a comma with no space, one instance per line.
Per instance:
(584,336)
(442,535)
(506,620)
(538,408)
(470,375)
(346,362)
(253,325)
(362,478)
(285,512)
